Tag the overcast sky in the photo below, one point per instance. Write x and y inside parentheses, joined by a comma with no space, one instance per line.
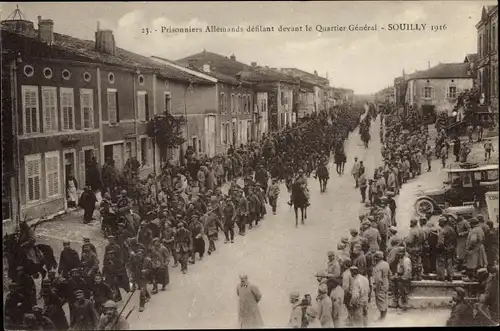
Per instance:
(363,61)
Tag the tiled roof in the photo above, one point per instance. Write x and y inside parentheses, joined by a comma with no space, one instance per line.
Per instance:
(306,76)
(86,49)
(444,70)
(230,68)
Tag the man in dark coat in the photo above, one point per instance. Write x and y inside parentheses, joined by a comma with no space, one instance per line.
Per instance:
(16,305)
(68,260)
(83,314)
(53,304)
(88,201)
(43,321)
(101,292)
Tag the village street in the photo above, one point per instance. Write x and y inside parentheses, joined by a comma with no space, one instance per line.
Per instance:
(276,256)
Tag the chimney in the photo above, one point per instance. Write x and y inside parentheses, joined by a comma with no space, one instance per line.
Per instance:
(192,63)
(46,30)
(315,73)
(254,64)
(206,67)
(232,57)
(105,41)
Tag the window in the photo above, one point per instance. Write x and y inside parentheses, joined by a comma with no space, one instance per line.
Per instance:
(195,144)
(452,92)
(222,103)
(168,102)
(142,105)
(226,103)
(29,70)
(49,104)
(32,165)
(141,80)
(146,151)
(199,145)
(67,108)
(238,103)
(111,78)
(224,133)
(428,92)
(31,115)
(47,72)
(52,174)
(113,113)
(87,105)
(233,103)
(66,75)
(87,77)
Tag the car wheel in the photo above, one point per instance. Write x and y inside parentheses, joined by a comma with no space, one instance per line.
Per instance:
(424,206)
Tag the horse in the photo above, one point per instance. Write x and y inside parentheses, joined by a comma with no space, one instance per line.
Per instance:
(16,257)
(299,201)
(323,176)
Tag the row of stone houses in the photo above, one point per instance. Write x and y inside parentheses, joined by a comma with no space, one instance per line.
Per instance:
(436,89)
(66,101)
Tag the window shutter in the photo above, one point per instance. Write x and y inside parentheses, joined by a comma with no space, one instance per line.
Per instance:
(447,91)
(112,107)
(81,159)
(222,133)
(139,151)
(146,107)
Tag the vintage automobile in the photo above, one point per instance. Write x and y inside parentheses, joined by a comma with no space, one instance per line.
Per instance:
(462,193)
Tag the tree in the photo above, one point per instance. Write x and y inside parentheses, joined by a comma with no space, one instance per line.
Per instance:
(166,130)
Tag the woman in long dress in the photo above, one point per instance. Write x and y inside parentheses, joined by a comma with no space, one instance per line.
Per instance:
(72,187)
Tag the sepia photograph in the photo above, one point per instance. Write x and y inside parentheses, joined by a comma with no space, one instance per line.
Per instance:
(253,164)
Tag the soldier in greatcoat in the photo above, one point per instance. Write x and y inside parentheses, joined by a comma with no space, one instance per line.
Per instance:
(414,243)
(160,258)
(381,276)
(83,314)
(463,229)
(475,256)
(101,292)
(68,260)
(447,243)
(211,225)
(249,316)
(183,245)
(324,304)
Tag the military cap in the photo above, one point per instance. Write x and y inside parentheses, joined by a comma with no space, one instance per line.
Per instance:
(111,237)
(366,223)
(36,308)
(393,229)
(354,268)
(389,194)
(344,240)
(66,242)
(443,219)
(371,218)
(20,268)
(474,221)
(311,312)
(331,253)
(321,273)
(86,239)
(368,204)
(109,304)
(323,288)
(123,192)
(13,286)
(155,240)
(294,295)
(180,224)
(379,254)
(413,221)
(370,180)
(354,230)
(46,282)
(480,217)
(341,246)
(401,250)
(79,291)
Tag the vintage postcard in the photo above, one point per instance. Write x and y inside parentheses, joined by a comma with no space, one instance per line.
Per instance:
(192,165)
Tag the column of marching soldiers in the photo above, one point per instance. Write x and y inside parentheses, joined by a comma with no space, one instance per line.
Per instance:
(177,210)
(377,260)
